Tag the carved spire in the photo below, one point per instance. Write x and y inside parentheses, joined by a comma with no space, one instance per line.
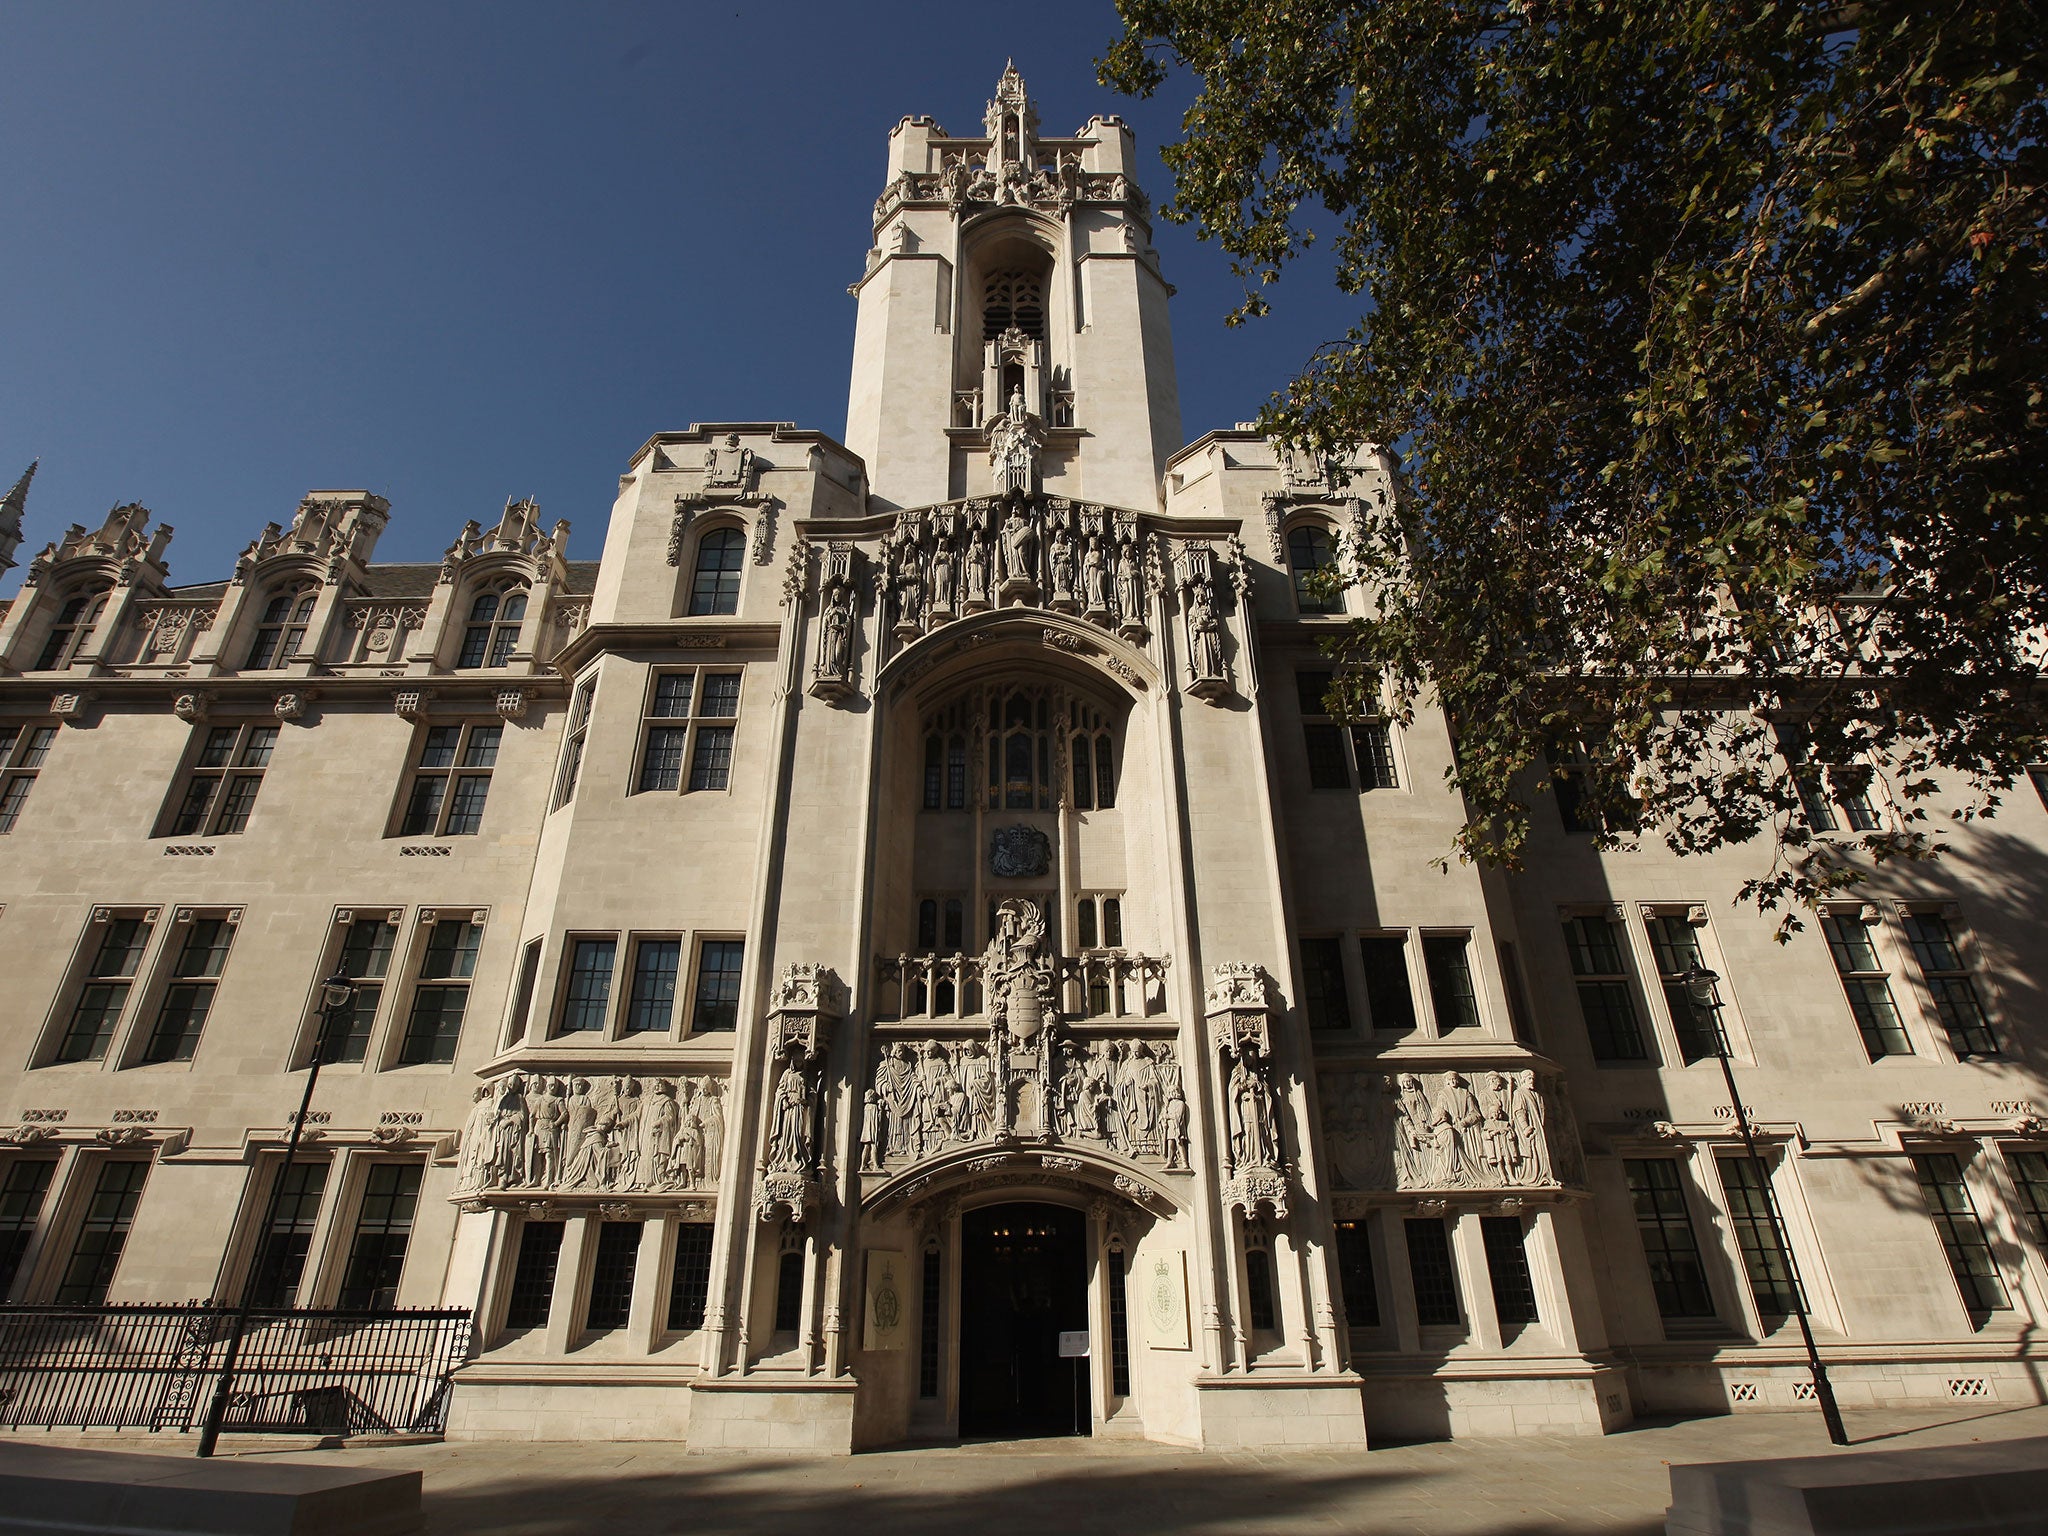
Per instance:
(12,506)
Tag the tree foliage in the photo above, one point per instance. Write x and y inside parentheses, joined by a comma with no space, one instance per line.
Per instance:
(1711,335)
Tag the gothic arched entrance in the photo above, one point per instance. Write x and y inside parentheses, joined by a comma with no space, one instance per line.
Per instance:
(1023,1282)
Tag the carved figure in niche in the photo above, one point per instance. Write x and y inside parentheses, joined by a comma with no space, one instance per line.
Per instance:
(661,1120)
(789,1141)
(1205,635)
(684,1166)
(508,1135)
(977,1093)
(1130,585)
(977,567)
(835,644)
(935,1087)
(1062,548)
(624,1152)
(1454,1128)
(1532,1147)
(1497,1131)
(945,579)
(1095,578)
(1173,1128)
(909,586)
(544,1141)
(1019,549)
(872,1146)
(474,1161)
(1129,1068)
(710,1107)
(1415,1161)
(1254,1140)
(1073,1090)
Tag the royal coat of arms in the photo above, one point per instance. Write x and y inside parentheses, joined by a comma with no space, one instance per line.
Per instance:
(1019,853)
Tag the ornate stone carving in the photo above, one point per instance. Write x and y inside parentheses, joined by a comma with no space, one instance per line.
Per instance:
(1019,852)
(787,1178)
(291,706)
(833,674)
(411,703)
(190,707)
(730,465)
(616,1134)
(511,703)
(1208,668)
(69,708)
(1253,1154)
(1443,1131)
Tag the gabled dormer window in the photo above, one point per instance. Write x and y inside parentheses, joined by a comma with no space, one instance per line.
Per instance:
(493,628)
(74,626)
(282,630)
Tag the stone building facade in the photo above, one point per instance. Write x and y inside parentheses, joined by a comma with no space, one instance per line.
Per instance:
(902,915)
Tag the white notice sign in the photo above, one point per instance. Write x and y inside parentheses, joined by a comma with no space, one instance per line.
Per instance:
(1074,1346)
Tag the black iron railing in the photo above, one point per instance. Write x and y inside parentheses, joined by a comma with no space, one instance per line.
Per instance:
(299,1372)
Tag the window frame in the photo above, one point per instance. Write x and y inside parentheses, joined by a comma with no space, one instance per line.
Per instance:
(1481,1024)
(1409,951)
(1969,969)
(499,635)
(573,943)
(575,738)
(77,632)
(457,771)
(699,943)
(215,811)
(399,1022)
(1342,745)
(1946,1219)
(1628,977)
(692,726)
(1887,974)
(1304,606)
(695,593)
(1670,1042)
(135,1047)
(22,757)
(80,974)
(287,633)
(75,1217)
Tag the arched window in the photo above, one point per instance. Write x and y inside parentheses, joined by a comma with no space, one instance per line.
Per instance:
(1309,553)
(1013,300)
(282,629)
(493,628)
(716,587)
(75,621)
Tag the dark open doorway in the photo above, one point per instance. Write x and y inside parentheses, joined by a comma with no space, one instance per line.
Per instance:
(1023,1282)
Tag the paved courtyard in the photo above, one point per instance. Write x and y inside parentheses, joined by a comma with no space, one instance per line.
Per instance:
(1069,1488)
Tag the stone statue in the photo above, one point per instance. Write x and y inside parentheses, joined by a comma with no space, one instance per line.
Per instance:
(835,639)
(1254,1138)
(508,1133)
(474,1155)
(871,1132)
(1095,578)
(789,1139)
(1062,547)
(945,579)
(1019,549)
(1408,1134)
(1205,636)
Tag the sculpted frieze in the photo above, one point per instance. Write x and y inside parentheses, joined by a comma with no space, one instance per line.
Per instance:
(614,1134)
(1452,1130)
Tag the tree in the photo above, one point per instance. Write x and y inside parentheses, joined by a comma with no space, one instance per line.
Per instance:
(1711,338)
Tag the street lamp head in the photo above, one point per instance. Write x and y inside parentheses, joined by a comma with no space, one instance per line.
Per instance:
(336,993)
(1701,985)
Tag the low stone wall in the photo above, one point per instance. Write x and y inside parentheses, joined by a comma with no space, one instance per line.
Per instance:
(1952,1490)
(749,1414)
(536,1407)
(1447,1406)
(1735,1386)
(1279,1413)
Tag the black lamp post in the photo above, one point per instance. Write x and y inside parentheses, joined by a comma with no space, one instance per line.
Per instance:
(336,993)
(1704,994)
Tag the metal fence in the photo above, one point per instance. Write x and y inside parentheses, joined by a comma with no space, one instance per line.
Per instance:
(300,1372)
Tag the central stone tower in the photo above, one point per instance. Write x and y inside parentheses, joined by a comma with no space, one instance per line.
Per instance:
(1013,329)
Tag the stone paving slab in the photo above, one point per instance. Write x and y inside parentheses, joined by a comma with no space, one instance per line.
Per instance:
(1618,1484)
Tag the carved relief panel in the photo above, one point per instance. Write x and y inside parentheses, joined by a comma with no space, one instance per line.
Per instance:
(1452,1130)
(620,1133)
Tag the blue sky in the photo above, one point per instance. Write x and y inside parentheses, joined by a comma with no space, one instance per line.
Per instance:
(459,252)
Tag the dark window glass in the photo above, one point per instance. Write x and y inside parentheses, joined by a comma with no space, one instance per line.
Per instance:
(376,1254)
(21,1207)
(1309,552)
(522,996)
(1446,958)
(442,994)
(1084,916)
(1961,1231)
(1325,745)
(661,765)
(1677,946)
(102,998)
(711,763)
(1372,743)
(1433,1272)
(281,1251)
(956,775)
(1387,992)
(1865,984)
(1354,1274)
(1258,1288)
(588,992)
(928,1328)
(1507,1269)
(928,925)
(715,589)
(533,1277)
(718,985)
(1112,922)
(1084,775)
(611,1274)
(1105,773)
(1670,1246)
(689,1286)
(651,1006)
(789,1292)
(1323,998)
(934,775)
(2030,1175)
(1948,982)
(96,1252)
(1772,1279)
(1119,1328)
(365,956)
(572,742)
(1612,1028)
